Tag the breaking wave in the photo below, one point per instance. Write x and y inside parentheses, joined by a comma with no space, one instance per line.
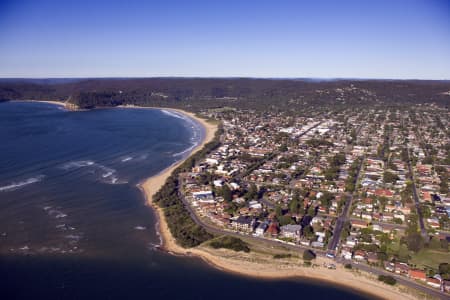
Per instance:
(193,125)
(109,175)
(191,122)
(128,158)
(17,185)
(185,151)
(106,174)
(77,164)
(57,214)
(174,114)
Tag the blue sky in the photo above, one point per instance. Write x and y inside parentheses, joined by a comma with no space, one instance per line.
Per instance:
(327,39)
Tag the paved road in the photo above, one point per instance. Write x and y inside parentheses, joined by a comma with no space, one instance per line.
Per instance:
(344,215)
(333,244)
(416,200)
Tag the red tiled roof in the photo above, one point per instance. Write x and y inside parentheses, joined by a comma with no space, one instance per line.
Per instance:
(385,193)
(273,228)
(417,274)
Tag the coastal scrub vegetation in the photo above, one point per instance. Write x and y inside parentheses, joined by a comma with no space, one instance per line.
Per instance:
(387,279)
(183,228)
(230,242)
(308,255)
(186,232)
(282,255)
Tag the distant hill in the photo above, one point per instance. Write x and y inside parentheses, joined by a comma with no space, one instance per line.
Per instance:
(247,93)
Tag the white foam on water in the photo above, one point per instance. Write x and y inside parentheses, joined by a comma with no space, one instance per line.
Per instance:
(158,234)
(77,164)
(16,185)
(128,158)
(192,124)
(140,228)
(73,237)
(185,151)
(57,214)
(173,114)
(64,227)
(61,226)
(153,246)
(107,175)
(113,180)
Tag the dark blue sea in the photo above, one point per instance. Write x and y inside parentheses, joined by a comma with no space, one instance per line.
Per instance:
(73,224)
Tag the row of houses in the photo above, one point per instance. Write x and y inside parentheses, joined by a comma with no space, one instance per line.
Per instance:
(404,269)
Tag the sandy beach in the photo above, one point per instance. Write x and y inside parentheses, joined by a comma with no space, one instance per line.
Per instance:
(151,185)
(259,265)
(60,103)
(64,104)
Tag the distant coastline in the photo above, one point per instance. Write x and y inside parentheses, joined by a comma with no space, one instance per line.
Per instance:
(227,260)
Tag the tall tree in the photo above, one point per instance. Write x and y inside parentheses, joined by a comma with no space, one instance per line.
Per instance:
(226,193)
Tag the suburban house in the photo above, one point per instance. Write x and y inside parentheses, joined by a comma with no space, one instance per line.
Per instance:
(243,223)
(358,224)
(291,231)
(401,268)
(418,274)
(261,229)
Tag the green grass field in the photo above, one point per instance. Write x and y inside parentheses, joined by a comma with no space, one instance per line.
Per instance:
(430,258)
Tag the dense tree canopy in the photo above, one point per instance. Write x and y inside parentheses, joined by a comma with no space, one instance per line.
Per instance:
(242,93)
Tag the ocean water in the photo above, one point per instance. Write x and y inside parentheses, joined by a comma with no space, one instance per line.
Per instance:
(73,224)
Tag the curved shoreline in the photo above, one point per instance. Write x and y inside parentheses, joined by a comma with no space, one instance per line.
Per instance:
(154,183)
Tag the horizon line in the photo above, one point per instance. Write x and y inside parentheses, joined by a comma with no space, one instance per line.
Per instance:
(226,77)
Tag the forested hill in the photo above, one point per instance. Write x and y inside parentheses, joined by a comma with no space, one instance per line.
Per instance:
(196,93)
